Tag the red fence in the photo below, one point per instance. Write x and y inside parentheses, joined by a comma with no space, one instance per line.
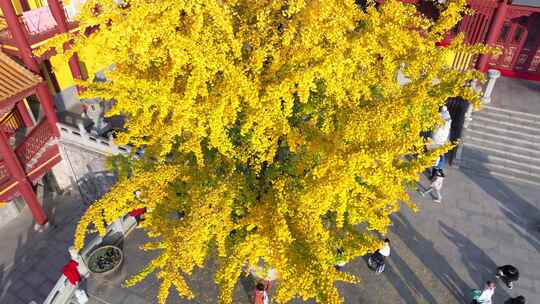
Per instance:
(34,142)
(4,173)
(476,27)
(11,123)
(31,26)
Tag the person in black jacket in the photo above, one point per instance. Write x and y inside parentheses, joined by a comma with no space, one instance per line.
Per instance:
(508,274)
(516,300)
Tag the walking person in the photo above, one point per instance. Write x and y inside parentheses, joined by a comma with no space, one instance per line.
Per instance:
(436,186)
(516,300)
(508,274)
(261,292)
(340,259)
(484,296)
(385,250)
(439,165)
(376,261)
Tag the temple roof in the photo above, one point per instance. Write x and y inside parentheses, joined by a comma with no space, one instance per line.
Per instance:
(15,83)
(14,80)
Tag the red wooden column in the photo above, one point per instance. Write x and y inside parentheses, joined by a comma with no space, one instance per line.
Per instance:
(23,111)
(25,187)
(494,32)
(59,15)
(19,35)
(25,6)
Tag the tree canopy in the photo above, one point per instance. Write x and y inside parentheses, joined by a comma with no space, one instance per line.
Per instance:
(277,129)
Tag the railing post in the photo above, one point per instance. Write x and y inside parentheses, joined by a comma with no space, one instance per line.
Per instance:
(82,267)
(493,75)
(82,130)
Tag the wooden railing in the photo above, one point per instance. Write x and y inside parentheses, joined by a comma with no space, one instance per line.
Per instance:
(34,142)
(11,122)
(4,173)
(34,33)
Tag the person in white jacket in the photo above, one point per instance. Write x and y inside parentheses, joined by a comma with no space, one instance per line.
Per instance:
(436,186)
(486,294)
(440,135)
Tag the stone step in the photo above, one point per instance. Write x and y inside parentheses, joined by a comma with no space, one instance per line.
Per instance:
(502,131)
(518,127)
(500,175)
(474,155)
(503,139)
(504,116)
(504,147)
(512,113)
(481,151)
(524,173)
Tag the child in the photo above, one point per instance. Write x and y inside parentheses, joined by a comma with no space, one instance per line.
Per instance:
(261,292)
(436,186)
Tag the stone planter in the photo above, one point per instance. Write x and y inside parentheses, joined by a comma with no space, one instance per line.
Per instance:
(105,260)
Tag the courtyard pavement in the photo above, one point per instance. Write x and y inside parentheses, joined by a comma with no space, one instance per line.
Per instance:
(438,254)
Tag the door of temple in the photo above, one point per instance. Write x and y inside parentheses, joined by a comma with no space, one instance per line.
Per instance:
(511,39)
(529,57)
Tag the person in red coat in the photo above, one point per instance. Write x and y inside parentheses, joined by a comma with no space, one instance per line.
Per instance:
(138,214)
(261,292)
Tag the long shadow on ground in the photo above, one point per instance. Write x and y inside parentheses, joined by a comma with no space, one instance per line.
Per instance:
(423,248)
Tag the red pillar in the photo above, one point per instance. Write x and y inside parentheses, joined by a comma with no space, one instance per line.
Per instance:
(19,35)
(47,103)
(494,32)
(57,10)
(25,6)
(24,186)
(75,67)
(23,111)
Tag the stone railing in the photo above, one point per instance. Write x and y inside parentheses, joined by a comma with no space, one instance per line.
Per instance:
(492,76)
(34,143)
(64,292)
(97,144)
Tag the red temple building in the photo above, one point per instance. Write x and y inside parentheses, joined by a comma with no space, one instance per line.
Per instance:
(27,147)
(28,129)
(512,26)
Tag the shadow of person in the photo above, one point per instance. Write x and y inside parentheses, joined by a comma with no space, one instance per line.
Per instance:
(523,216)
(480,266)
(431,258)
(410,284)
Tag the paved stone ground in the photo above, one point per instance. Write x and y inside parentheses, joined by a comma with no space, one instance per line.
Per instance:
(517,94)
(31,262)
(439,254)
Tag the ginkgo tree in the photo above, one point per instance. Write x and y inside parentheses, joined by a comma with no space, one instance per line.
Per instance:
(278,130)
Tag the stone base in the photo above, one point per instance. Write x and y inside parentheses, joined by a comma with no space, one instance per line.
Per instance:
(63,175)
(10,210)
